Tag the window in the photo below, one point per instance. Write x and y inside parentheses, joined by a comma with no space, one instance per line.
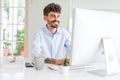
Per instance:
(12,27)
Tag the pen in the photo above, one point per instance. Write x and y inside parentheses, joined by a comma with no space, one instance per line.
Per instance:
(52,68)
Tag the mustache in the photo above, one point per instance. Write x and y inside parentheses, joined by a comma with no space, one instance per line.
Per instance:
(55,21)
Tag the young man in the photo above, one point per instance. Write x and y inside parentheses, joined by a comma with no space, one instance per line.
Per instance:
(50,40)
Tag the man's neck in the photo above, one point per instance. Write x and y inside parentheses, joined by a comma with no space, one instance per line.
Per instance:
(52,30)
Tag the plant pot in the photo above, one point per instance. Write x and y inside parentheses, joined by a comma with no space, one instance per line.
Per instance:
(6,52)
(21,51)
(64,70)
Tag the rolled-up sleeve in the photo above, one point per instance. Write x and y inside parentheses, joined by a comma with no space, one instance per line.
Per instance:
(36,44)
(68,44)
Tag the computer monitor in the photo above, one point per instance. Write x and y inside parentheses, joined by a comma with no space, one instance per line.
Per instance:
(89,27)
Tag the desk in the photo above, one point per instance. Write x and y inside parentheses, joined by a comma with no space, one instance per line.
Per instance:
(48,74)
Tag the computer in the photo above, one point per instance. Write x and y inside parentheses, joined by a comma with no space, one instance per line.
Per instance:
(93,37)
(111,61)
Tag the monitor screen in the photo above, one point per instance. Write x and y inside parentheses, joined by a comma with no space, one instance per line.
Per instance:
(89,27)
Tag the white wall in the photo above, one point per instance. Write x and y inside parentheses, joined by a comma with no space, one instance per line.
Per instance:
(97,4)
(106,5)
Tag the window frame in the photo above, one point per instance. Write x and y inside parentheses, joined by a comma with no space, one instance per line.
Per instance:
(25,27)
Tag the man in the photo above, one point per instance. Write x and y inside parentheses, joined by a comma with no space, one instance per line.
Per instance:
(50,40)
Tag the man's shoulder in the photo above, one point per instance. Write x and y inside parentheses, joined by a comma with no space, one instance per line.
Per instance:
(39,30)
(64,31)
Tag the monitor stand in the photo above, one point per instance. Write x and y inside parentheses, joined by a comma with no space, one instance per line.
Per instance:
(111,61)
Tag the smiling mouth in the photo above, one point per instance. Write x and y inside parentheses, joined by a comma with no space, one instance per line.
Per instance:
(55,21)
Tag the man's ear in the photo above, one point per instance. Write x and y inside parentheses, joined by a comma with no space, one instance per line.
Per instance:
(45,18)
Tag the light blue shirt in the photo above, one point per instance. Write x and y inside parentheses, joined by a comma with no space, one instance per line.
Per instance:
(51,45)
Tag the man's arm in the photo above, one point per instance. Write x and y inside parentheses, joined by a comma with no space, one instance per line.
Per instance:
(53,61)
(36,45)
(68,45)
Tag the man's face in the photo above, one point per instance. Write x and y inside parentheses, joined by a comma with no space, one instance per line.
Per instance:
(53,19)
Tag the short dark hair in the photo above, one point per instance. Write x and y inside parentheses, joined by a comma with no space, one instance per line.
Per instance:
(52,8)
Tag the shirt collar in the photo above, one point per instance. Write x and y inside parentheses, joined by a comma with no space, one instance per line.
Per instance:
(49,33)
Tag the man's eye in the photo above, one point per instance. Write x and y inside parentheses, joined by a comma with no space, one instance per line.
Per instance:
(52,16)
(55,16)
(58,16)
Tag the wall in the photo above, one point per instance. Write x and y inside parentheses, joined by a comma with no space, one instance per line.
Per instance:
(106,5)
(97,4)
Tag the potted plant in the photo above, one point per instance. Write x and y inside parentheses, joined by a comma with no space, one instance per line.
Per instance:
(20,45)
(19,51)
(6,51)
(20,35)
(64,68)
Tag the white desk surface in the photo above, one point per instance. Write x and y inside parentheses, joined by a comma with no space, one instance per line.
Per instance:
(47,74)
(18,71)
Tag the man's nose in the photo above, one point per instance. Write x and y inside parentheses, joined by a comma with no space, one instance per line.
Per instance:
(56,18)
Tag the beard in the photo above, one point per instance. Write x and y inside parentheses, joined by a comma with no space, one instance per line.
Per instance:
(54,25)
